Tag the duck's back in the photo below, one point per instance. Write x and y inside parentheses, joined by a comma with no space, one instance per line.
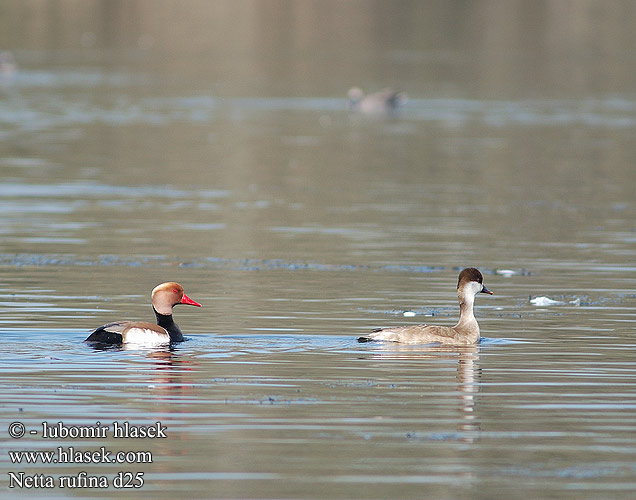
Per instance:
(120,332)
(419,334)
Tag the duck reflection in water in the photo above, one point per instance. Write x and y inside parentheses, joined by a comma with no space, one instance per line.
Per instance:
(468,379)
(164,369)
(468,382)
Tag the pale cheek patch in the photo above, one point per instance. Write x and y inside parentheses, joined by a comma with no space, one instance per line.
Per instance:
(145,337)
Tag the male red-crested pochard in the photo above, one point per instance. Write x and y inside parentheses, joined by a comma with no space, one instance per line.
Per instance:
(465,332)
(164,298)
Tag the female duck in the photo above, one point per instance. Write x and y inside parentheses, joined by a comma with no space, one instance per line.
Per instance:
(164,298)
(465,332)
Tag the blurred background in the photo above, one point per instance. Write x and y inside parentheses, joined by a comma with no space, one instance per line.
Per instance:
(486,49)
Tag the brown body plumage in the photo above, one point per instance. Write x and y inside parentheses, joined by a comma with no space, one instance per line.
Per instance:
(465,332)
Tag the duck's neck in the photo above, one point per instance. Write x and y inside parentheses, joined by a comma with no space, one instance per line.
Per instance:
(166,321)
(467,322)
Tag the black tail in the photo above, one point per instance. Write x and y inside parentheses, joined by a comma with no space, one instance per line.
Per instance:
(369,339)
(101,336)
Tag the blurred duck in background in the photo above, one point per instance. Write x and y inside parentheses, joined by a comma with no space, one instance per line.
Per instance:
(385,101)
(8,66)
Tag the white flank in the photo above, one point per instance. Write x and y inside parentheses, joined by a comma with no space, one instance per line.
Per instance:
(145,336)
